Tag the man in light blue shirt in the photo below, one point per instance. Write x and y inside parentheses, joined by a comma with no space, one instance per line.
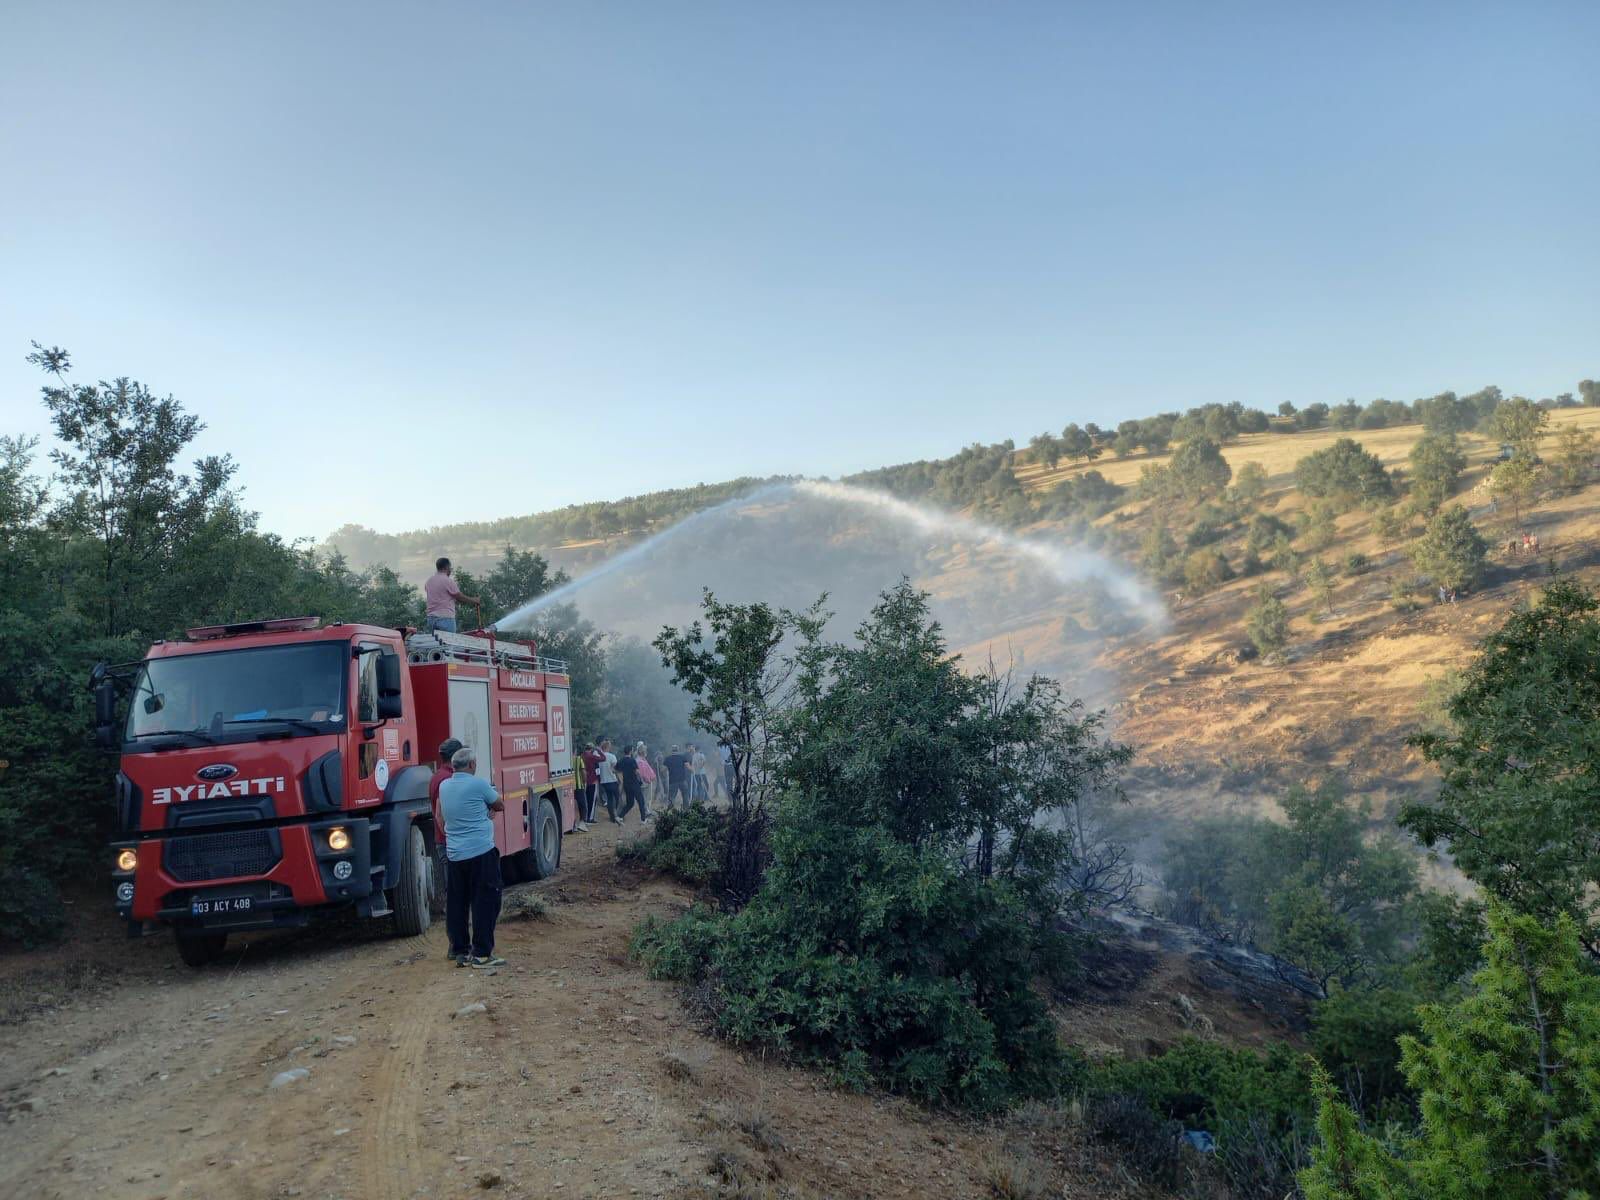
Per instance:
(472,883)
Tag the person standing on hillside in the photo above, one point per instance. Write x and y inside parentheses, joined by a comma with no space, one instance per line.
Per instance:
(592,759)
(632,792)
(677,765)
(579,774)
(609,785)
(442,593)
(700,784)
(472,880)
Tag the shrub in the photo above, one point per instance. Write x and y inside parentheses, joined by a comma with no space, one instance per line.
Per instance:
(1356,563)
(1344,473)
(1258,1106)
(1451,551)
(689,843)
(1204,570)
(1267,624)
(1436,464)
(1198,468)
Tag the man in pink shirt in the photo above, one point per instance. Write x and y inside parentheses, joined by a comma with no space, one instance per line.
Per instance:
(442,594)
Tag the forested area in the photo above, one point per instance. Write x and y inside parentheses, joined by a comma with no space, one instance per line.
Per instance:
(114,541)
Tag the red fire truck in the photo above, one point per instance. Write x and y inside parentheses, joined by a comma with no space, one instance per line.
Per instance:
(274,770)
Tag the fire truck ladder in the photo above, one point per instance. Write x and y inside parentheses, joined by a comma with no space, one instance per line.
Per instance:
(478,651)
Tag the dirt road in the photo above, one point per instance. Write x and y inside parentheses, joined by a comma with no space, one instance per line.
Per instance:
(581,1076)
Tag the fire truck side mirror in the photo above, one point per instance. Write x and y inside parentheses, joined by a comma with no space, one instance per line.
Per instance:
(389,686)
(105,714)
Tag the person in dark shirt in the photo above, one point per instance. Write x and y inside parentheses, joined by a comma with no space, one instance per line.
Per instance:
(632,791)
(677,765)
(592,759)
(443,771)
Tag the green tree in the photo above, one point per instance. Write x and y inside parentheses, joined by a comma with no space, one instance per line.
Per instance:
(1508,1080)
(739,682)
(1520,423)
(1516,482)
(1267,624)
(1575,451)
(519,576)
(1320,579)
(1589,391)
(1204,570)
(1046,450)
(1198,468)
(1344,473)
(1250,484)
(1079,443)
(1517,805)
(1451,551)
(119,462)
(1436,464)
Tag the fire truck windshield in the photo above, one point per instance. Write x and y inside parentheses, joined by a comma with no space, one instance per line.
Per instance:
(236,695)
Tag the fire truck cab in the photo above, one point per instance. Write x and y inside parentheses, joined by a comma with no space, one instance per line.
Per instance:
(275,770)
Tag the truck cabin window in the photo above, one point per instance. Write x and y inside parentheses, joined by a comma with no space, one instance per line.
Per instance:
(229,693)
(367,685)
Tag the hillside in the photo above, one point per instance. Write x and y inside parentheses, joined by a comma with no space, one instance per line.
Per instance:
(1211,731)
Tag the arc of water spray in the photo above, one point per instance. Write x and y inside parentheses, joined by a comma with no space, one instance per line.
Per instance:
(1065,564)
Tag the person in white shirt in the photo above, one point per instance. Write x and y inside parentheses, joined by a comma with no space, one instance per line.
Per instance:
(610,785)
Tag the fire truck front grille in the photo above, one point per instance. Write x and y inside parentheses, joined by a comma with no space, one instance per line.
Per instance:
(222,855)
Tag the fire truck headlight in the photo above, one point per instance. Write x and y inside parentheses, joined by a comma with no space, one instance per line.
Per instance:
(338,838)
(125,893)
(127,860)
(341,870)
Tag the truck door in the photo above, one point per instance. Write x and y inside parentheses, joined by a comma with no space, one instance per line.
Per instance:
(469,723)
(560,745)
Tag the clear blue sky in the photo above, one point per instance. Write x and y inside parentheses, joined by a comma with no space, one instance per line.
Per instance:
(571,251)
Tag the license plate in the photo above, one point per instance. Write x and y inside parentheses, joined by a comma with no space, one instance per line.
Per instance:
(219,905)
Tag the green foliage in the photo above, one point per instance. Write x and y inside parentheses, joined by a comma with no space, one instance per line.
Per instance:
(1314,892)
(1320,579)
(1320,527)
(1356,563)
(1520,423)
(1046,449)
(1157,550)
(1516,482)
(1356,1033)
(1436,465)
(1345,474)
(1204,570)
(1575,451)
(688,843)
(1198,469)
(1258,1106)
(910,901)
(1263,532)
(1267,624)
(1508,1079)
(1087,494)
(1518,807)
(1451,551)
(978,478)
(1076,443)
(1250,484)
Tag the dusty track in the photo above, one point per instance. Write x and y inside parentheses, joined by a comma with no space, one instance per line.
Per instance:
(583,1078)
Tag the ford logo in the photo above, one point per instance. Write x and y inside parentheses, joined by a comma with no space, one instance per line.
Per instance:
(217,771)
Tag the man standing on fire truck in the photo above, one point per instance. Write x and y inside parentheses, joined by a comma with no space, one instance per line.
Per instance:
(442,594)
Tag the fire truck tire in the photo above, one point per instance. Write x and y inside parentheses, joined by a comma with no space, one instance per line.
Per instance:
(412,891)
(544,856)
(197,947)
(438,884)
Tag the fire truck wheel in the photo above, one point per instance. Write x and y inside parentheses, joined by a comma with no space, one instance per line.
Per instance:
(197,947)
(438,883)
(412,890)
(544,856)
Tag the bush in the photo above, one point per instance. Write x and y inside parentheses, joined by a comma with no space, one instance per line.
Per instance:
(909,910)
(1258,1106)
(1451,552)
(1267,624)
(1356,563)
(1204,570)
(688,843)
(1344,473)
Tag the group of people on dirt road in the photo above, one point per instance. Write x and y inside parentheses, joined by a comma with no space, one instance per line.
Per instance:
(633,779)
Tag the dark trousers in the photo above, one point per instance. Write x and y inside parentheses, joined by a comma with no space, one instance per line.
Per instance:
(680,789)
(588,801)
(472,889)
(635,795)
(612,792)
